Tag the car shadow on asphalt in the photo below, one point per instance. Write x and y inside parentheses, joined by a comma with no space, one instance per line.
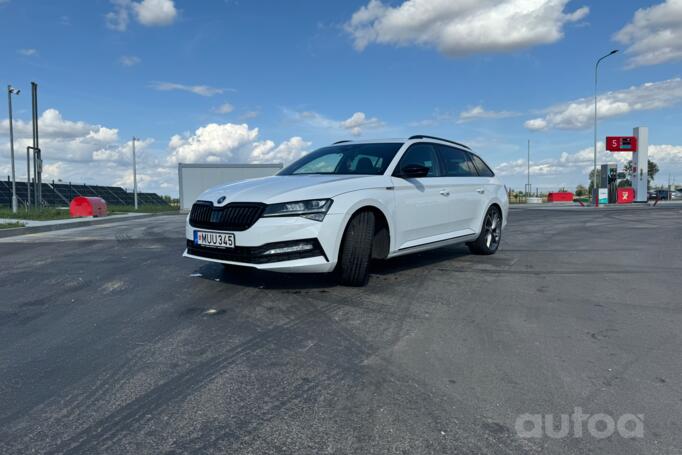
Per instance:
(251,277)
(424,260)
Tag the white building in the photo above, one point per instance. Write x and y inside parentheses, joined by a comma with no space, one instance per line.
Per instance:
(196,178)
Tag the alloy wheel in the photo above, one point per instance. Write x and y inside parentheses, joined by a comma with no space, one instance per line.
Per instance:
(492,229)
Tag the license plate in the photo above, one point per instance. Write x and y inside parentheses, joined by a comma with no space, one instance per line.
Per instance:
(214,239)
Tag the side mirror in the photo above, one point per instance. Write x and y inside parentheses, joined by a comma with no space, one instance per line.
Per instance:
(414,171)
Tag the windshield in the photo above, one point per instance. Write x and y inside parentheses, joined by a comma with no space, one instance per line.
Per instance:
(363,159)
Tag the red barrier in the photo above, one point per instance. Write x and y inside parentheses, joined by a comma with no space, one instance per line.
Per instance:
(88,206)
(626,196)
(560,196)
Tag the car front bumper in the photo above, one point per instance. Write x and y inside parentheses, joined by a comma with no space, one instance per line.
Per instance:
(259,245)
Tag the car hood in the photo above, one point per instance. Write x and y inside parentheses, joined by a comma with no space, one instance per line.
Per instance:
(286,188)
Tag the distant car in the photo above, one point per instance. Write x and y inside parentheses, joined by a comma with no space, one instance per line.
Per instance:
(343,205)
(665,195)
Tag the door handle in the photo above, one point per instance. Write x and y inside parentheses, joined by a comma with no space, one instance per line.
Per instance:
(480,190)
(444,193)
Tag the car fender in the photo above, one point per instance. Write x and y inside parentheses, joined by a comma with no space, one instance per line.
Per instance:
(501,199)
(348,204)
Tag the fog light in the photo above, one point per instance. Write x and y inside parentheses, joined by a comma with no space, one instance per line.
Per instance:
(305,246)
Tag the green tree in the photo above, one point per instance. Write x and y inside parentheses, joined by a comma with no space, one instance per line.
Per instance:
(590,187)
(629,168)
(581,190)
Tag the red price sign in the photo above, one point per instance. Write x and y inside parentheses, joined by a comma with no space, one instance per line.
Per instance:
(621,144)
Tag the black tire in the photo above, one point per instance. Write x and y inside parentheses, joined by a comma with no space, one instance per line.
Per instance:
(491,233)
(356,250)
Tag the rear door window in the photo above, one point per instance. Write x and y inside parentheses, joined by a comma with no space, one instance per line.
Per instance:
(483,169)
(456,162)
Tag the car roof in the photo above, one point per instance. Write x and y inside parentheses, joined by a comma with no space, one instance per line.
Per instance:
(372,141)
(418,138)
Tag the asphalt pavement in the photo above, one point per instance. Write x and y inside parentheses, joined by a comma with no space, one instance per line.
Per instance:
(111,342)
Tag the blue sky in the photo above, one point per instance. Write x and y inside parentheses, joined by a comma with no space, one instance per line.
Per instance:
(238,81)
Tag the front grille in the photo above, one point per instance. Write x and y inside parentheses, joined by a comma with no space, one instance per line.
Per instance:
(254,254)
(236,216)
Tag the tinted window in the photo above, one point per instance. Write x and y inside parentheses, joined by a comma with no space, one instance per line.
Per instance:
(483,169)
(456,162)
(364,162)
(324,164)
(421,154)
(367,159)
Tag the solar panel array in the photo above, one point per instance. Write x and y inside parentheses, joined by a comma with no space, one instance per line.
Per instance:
(60,194)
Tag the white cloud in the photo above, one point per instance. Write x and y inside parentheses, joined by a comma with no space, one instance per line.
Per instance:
(536,124)
(463,27)
(212,143)
(203,90)
(479,112)
(29,52)
(224,108)
(54,126)
(75,141)
(103,134)
(122,153)
(157,179)
(520,167)
(355,124)
(155,12)
(248,115)
(438,117)
(580,163)
(150,13)
(81,152)
(118,18)
(359,121)
(313,119)
(287,151)
(655,34)
(129,60)
(666,153)
(579,114)
(228,142)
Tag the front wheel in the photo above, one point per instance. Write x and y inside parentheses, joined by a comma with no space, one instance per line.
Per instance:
(356,250)
(491,233)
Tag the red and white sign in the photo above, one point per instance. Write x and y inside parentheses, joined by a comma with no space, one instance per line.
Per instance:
(626,196)
(621,143)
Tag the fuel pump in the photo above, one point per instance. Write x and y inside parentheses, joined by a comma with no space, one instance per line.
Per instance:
(609,180)
(613,184)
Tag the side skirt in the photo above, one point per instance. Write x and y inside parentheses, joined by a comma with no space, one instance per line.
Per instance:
(433,245)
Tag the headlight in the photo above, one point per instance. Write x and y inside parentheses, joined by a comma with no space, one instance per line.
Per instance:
(314,209)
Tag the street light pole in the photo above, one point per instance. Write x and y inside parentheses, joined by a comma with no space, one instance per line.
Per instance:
(134,173)
(595,190)
(528,185)
(10,91)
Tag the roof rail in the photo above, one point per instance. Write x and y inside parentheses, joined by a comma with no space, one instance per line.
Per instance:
(422,136)
(341,142)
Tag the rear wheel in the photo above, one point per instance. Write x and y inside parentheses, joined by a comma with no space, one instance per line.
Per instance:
(356,250)
(491,233)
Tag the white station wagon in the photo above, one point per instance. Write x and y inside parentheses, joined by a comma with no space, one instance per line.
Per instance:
(343,205)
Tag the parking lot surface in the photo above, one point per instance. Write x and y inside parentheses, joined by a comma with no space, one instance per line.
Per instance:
(111,342)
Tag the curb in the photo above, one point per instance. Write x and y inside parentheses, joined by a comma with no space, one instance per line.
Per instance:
(609,207)
(13,232)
